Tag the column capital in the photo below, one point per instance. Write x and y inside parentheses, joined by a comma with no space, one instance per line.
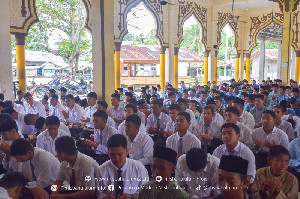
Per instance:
(118,46)
(206,53)
(162,50)
(216,53)
(238,55)
(248,55)
(20,39)
(176,50)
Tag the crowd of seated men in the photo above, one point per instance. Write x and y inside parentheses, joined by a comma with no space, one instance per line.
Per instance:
(234,141)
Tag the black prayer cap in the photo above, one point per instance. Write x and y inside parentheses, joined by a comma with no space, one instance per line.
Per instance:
(130,88)
(146,87)
(120,89)
(52,91)
(165,154)
(129,94)
(235,164)
(63,89)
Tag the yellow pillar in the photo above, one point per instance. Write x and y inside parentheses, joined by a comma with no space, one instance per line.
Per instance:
(237,65)
(20,58)
(117,65)
(162,66)
(286,45)
(176,51)
(216,67)
(297,67)
(248,55)
(206,54)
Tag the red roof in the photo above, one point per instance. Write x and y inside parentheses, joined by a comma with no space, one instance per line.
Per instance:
(141,52)
(269,53)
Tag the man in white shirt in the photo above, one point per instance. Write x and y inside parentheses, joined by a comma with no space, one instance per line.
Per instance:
(232,146)
(244,116)
(34,107)
(258,110)
(197,171)
(266,137)
(46,139)
(75,169)
(39,167)
(102,106)
(157,121)
(129,110)
(12,185)
(73,112)
(217,118)
(139,143)
(208,131)
(90,110)
(131,173)
(55,108)
(284,125)
(40,125)
(102,133)
(182,140)
(139,113)
(231,116)
(173,112)
(29,120)
(18,117)
(183,104)
(192,95)
(117,111)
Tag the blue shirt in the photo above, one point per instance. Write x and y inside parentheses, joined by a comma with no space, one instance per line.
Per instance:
(231,94)
(294,149)
(281,98)
(248,107)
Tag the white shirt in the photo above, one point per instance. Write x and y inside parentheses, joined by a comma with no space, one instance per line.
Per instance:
(193,119)
(213,129)
(199,184)
(4,194)
(287,127)
(245,135)
(63,127)
(37,107)
(278,136)
(45,141)
(242,151)
(107,132)
(46,167)
(75,114)
(297,120)
(22,127)
(57,111)
(194,98)
(88,113)
(247,119)
(11,164)
(218,119)
(117,114)
(110,122)
(19,108)
(142,116)
(133,172)
(188,141)
(122,128)
(141,148)
(84,166)
(163,120)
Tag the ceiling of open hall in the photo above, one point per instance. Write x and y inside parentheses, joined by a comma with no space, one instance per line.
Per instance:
(246,4)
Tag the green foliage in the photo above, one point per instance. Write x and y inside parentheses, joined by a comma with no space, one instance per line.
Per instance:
(150,39)
(65,18)
(269,45)
(192,39)
(222,49)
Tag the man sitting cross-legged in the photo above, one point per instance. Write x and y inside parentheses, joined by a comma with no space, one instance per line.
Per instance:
(76,168)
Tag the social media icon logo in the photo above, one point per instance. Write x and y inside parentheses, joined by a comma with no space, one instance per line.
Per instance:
(53,187)
(111,187)
(158,179)
(88,178)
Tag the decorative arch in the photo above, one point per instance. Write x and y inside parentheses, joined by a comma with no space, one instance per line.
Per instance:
(224,19)
(260,22)
(187,10)
(124,6)
(22,16)
(88,22)
(295,31)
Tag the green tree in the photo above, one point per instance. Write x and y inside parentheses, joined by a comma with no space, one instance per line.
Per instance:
(151,39)
(192,39)
(68,17)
